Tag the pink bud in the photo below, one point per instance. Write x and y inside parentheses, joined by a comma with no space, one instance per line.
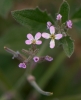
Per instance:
(59,16)
(22,65)
(49,24)
(69,24)
(48,58)
(36,59)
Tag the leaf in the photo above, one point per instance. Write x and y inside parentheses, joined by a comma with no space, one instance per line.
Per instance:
(33,18)
(5,6)
(77,14)
(68,45)
(64,11)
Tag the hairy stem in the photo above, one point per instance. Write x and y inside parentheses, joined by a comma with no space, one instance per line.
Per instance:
(15,54)
(30,78)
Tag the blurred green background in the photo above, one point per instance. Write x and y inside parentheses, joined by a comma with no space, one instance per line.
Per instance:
(62,76)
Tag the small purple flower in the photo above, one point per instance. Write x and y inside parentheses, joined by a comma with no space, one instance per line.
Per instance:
(53,36)
(22,65)
(36,59)
(69,24)
(59,16)
(32,40)
(48,58)
(49,24)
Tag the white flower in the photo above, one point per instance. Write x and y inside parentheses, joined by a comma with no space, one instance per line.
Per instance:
(52,35)
(32,40)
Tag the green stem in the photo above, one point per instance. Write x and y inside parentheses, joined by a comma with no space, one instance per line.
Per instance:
(50,72)
(31,80)
(46,76)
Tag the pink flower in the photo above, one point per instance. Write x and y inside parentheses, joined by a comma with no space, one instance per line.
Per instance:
(36,59)
(48,58)
(53,36)
(22,65)
(59,16)
(69,24)
(32,40)
(49,24)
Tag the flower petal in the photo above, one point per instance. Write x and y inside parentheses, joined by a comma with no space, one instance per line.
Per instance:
(49,24)
(58,36)
(48,58)
(52,29)
(30,36)
(45,35)
(28,42)
(38,42)
(52,44)
(22,65)
(38,36)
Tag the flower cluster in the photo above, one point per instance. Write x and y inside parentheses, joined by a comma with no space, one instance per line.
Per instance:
(54,34)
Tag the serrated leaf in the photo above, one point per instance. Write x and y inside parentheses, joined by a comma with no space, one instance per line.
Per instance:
(34,18)
(5,6)
(68,45)
(77,14)
(64,11)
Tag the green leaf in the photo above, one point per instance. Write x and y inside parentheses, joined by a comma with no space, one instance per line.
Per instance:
(64,11)
(68,45)
(77,14)
(5,6)
(33,18)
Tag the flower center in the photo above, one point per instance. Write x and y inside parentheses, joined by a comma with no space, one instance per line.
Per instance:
(36,59)
(52,36)
(33,41)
